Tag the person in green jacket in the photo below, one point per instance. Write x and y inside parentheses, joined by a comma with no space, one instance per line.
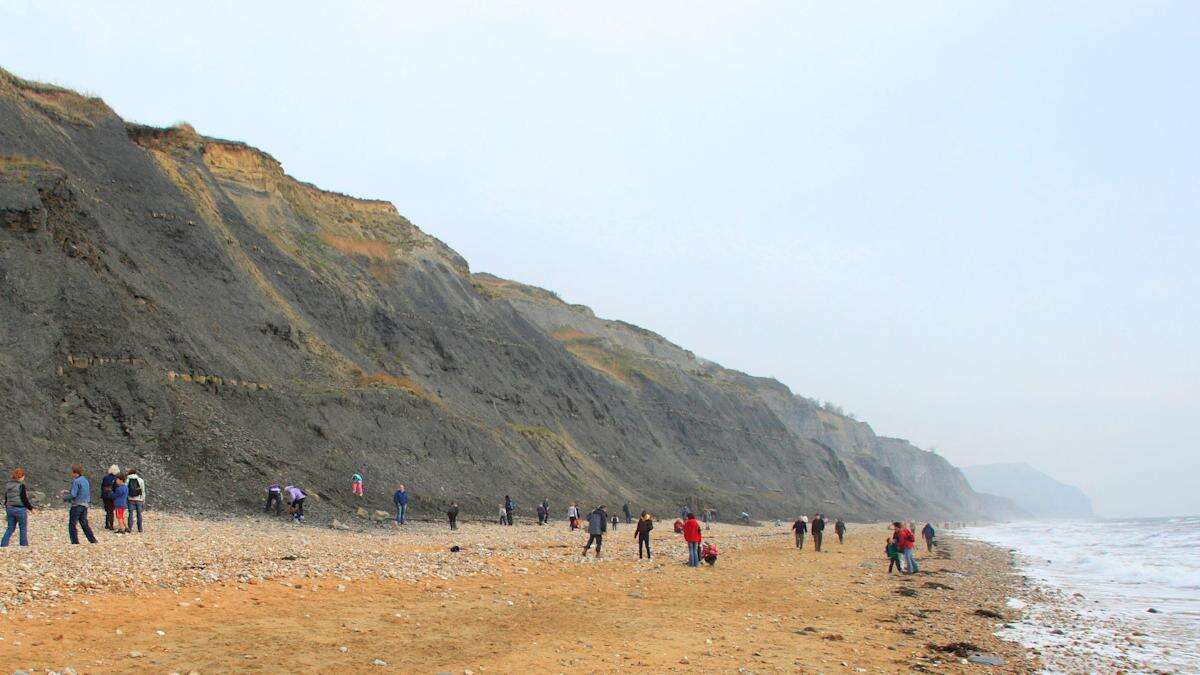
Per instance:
(893,554)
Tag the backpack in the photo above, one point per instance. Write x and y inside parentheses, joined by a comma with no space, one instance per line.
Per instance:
(135,487)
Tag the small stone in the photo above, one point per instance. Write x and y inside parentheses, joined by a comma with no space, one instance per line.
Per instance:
(343,649)
(135,655)
(684,661)
(379,662)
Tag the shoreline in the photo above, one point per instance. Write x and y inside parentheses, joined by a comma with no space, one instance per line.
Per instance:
(1077,621)
(248,595)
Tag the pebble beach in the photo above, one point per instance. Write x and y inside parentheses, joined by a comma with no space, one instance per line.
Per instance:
(198,595)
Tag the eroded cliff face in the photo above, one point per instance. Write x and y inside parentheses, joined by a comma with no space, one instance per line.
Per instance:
(181,304)
(855,468)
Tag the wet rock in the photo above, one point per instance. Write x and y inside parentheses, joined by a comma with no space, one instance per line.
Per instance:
(986,659)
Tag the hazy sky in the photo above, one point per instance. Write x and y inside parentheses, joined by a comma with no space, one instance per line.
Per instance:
(973,224)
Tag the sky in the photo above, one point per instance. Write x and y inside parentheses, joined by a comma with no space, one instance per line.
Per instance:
(974,225)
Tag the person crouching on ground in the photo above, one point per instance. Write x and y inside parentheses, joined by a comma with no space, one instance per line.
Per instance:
(120,504)
(597,526)
(16,508)
(642,533)
(692,535)
(274,496)
(709,553)
(297,496)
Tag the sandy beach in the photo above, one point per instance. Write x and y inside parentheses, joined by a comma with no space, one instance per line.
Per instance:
(254,595)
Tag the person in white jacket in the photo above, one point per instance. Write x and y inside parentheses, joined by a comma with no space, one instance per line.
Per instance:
(137,499)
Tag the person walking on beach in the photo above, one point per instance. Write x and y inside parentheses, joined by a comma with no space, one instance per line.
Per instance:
(818,531)
(106,494)
(503,515)
(927,534)
(452,514)
(16,508)
(400,499)
(541,514)
(356,484)
(297,500)
(120,503)
(274,496)
(905,542)
(509,507)
(597,526)
(79,497)
(573,516)
(642,533)
(137,499)
(692,535)
(628,515)
(800,528)
(839,528)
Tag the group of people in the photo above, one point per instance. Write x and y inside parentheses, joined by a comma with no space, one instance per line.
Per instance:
(816,528)
(899,547)
(123,494)
(598,521)
(294,497)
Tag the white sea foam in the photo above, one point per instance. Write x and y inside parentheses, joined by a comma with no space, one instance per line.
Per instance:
(1111,573)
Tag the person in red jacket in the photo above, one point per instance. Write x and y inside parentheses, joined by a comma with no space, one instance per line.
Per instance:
(709,553)
(691,534)
(905,541)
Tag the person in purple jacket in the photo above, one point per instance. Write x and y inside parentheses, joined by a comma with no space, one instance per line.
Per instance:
(297,499)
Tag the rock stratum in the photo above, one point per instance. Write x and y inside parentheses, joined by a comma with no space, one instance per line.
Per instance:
(179,303)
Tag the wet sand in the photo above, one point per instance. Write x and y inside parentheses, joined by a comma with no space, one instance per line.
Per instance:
(514,600)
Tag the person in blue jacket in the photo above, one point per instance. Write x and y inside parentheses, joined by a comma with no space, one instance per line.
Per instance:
(401,501)
(79,496)
(120,503)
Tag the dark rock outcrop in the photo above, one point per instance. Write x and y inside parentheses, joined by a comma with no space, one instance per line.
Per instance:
(179,303)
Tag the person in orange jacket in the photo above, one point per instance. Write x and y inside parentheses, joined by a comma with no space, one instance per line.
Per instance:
(691,534)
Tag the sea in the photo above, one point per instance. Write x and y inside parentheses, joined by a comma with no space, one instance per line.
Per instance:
(1105,595)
